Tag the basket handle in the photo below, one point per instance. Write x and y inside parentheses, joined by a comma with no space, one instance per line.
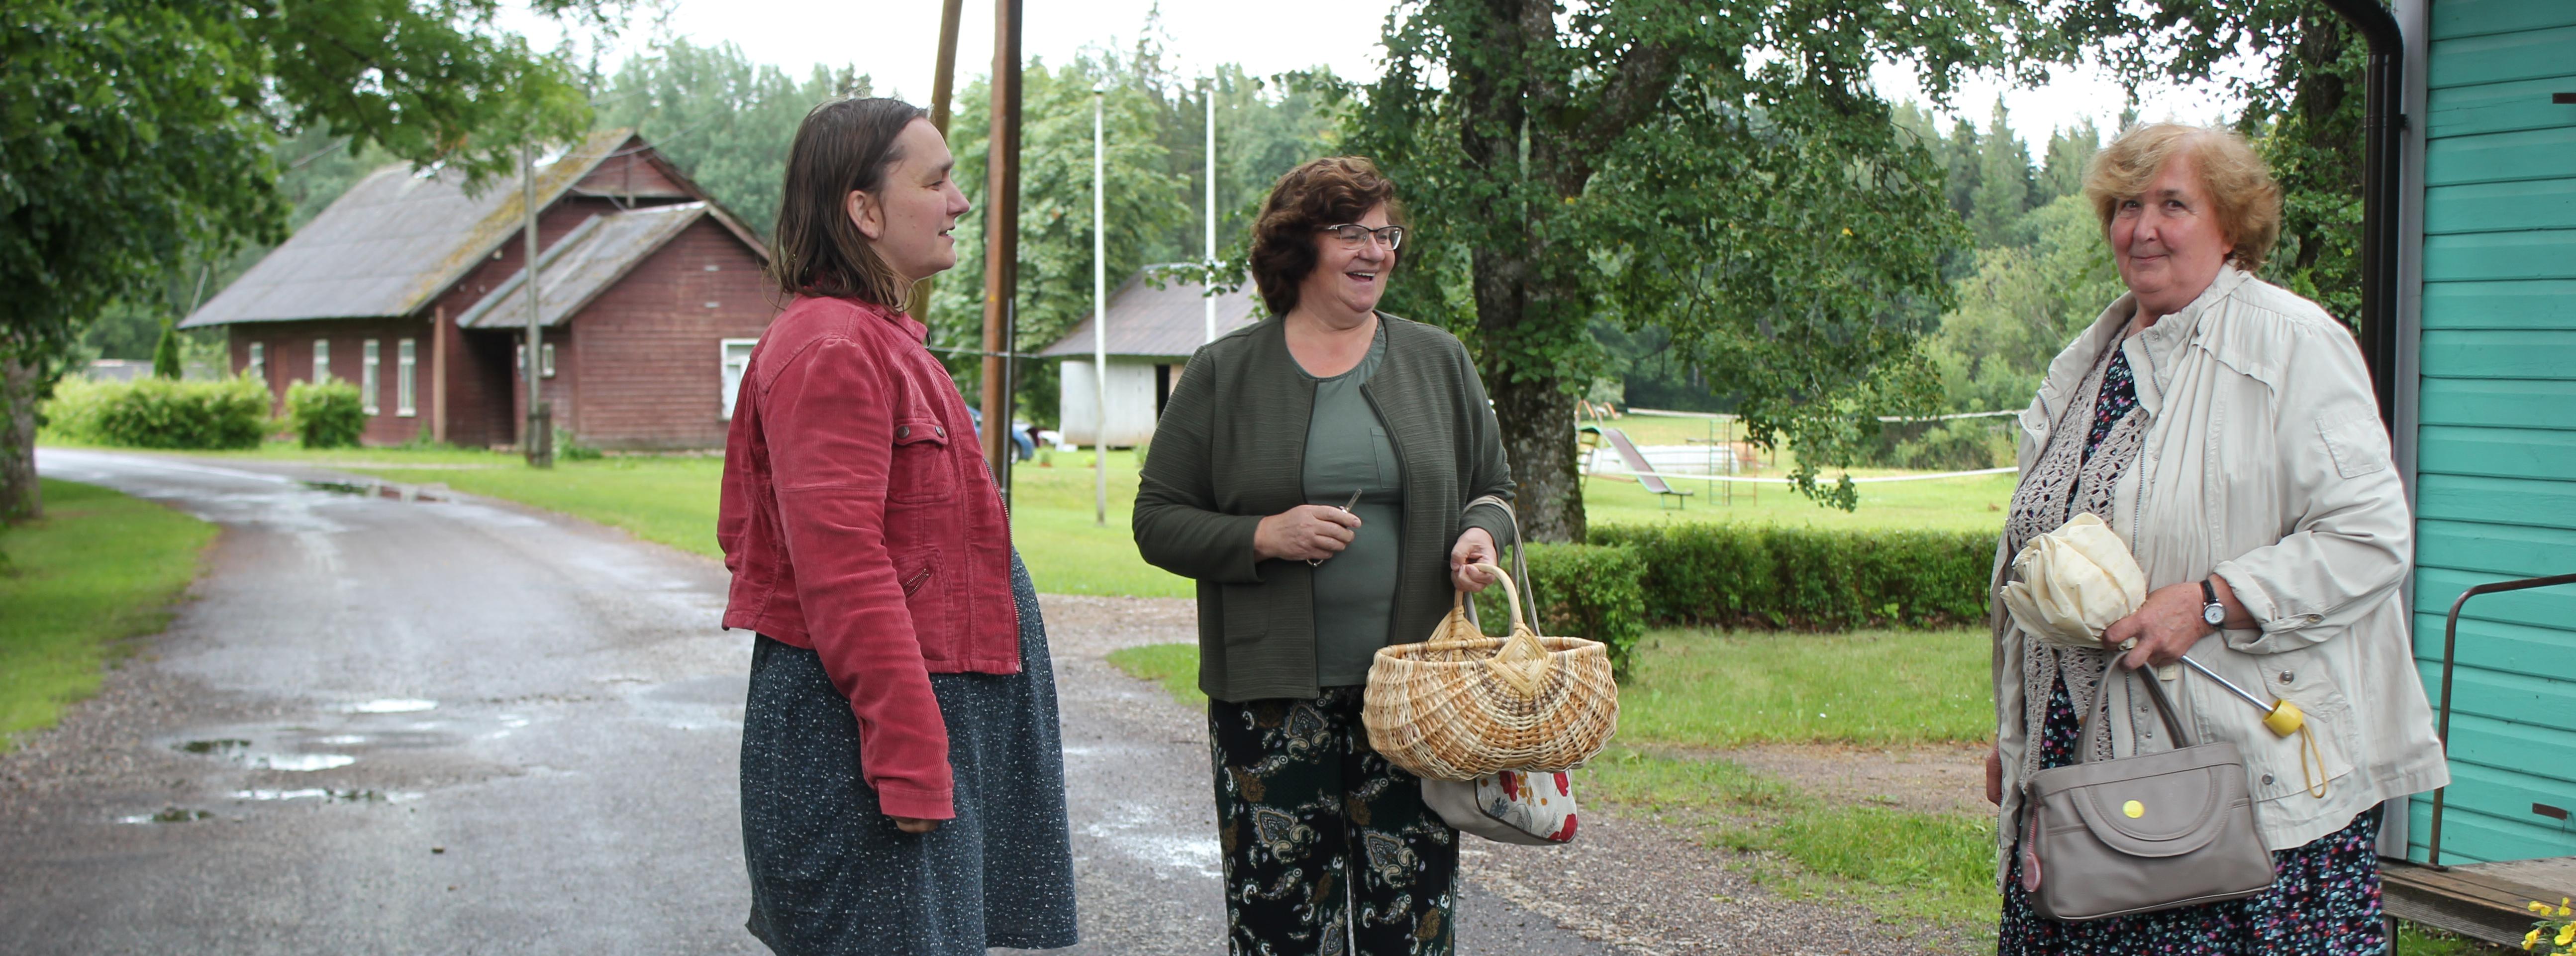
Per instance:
(1520,556)
(1522,660)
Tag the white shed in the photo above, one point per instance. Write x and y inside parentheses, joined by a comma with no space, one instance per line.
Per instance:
(1151,335)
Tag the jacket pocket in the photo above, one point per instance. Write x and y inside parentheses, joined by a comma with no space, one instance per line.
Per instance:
(1244,618)
(2297,765)
(925,597)
(923,470)
(2358,445)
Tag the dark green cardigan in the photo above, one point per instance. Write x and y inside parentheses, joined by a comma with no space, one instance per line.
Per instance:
(1231,450)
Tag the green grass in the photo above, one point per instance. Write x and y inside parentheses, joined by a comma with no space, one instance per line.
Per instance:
(98,568)
(1706,688)
(1173,666)
(671,500)
(1699,690)
(1973,503)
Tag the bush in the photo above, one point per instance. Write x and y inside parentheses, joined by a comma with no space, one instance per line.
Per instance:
(161,413)
(1582,590)
(328,414)
(568,447)
(1962,444)
(1730,575)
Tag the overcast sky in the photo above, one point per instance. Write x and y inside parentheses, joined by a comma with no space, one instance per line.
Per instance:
(896,44)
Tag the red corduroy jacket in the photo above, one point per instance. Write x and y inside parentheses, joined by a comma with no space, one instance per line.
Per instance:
(859,520)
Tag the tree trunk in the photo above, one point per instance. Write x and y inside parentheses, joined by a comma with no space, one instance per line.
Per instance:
(1538,433)
(19,496)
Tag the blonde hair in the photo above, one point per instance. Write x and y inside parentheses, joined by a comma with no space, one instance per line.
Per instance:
(2241,190)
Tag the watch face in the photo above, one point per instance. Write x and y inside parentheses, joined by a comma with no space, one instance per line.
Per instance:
(2213,613)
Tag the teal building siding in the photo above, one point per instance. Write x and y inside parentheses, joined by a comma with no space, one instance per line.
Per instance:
(2496,420)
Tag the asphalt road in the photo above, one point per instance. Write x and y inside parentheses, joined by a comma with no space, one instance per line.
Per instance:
(393,726)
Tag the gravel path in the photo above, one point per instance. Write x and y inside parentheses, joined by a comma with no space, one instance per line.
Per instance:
(1637,886)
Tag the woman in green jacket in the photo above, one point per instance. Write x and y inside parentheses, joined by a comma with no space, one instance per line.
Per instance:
(1308,472)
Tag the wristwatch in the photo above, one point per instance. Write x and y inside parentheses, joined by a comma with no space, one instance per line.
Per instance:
(2210,610)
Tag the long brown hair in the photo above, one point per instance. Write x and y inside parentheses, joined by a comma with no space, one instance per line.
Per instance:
(843,145)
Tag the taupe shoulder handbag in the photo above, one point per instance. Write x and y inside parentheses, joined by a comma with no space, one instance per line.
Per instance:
(2142,833)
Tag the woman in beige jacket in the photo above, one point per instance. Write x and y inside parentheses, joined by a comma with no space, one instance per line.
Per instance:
(2225,429)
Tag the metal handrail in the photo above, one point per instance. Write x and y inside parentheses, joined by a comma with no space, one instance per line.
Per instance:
(2450,643)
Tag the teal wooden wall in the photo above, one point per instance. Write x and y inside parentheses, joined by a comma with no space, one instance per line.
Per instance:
(2496,452)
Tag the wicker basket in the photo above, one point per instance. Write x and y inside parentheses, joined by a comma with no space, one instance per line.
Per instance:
(1462,705)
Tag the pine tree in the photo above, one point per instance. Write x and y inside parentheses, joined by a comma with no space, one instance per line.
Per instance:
(165,354)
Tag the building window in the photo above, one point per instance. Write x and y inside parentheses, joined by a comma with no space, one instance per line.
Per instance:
(545,360)
(257,367)
(321,361)
(737,357)
(367,380)
(406,359)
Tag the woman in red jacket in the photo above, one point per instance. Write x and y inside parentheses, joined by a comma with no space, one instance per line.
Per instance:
(902,779)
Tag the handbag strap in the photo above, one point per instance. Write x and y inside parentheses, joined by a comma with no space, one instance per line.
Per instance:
(1519,552)
(2102,707)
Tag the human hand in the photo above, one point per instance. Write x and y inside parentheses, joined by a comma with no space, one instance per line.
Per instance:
(1305,532)
(912,825)
(1995,775)
(2166,625)
(1475,546)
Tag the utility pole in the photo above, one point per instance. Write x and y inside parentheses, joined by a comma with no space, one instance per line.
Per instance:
(539,438)
(1099,319)
(1002,239)
(942,90)
(1210,287)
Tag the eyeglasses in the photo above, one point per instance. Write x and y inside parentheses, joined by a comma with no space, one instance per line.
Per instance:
(1353,235)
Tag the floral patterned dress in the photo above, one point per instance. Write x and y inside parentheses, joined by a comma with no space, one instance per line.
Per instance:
(2324,899)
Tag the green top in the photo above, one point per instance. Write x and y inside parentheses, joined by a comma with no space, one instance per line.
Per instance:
(1231,450)
(1347,451)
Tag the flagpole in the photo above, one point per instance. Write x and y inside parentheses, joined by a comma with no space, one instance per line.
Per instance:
(1211,210)
(1099,321)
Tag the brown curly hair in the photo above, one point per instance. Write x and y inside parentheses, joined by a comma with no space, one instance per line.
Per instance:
(1324,192)
(2245,198)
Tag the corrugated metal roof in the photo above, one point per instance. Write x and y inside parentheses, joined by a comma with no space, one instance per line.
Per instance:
(1166,322)
(392,242)
(581,265)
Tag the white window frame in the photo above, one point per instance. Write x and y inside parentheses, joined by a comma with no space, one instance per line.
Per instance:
(731,370)
(369,380)
(257,366)
(321,361)
(406,362)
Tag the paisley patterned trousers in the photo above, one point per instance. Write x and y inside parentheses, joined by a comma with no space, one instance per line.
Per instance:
(1328,849)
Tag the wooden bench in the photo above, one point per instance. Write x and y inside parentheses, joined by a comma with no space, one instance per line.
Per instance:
(2482,901)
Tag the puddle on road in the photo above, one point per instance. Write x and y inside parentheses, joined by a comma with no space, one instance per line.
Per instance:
(329,795)
(392,705)
(388,490)
(239,751)
(171,815)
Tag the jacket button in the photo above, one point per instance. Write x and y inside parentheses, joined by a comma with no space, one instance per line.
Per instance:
(2267,780)
(903,432)
(2285,677)
(938,431)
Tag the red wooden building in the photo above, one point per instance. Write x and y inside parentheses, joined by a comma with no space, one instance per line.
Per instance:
(651,295)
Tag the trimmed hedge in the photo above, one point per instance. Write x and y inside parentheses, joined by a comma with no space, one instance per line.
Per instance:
(161,413)
(328,414)
(1764,576)
(1582,590)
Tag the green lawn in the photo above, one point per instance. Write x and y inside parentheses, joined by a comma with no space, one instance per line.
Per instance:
(1701,688)
(672,500)
(98,568)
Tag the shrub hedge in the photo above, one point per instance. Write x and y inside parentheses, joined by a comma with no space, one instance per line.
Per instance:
(1582,590)
(1764,576)
(327,414)
(161,413)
